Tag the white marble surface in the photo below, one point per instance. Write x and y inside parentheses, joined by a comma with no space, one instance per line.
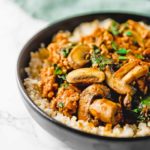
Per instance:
(17,129)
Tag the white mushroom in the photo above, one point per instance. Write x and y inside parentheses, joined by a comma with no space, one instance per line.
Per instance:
(85,75)
(78,56)
(86,99)
(121,79)
(107,111)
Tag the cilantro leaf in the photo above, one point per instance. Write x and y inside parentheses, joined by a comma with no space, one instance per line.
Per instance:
(114,45)
(114,28)
(123,58)
(139,56)
(63,77)
(128,33)
(65,52)
(122,51)
(101,61)
(146,101)
(96,49)
(60,105)
(58,70)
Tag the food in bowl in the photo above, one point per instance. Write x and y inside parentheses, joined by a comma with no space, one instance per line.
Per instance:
(96,78)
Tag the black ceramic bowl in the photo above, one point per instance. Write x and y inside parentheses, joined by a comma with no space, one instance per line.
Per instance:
(77,139)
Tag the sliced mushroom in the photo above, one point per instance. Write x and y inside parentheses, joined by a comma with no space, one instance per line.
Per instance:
(121,79)
(117,84)
(78,56)
(137,72)
(86,98)
(85,75)
(125,69)
(106,111)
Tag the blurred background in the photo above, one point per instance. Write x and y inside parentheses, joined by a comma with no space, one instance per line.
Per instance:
(19,21)
(51,10)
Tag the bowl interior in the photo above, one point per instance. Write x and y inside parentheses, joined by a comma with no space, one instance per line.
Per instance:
(46,35)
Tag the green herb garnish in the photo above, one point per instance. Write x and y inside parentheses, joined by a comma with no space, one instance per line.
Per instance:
(141,114)
(136,110)
(114,45)
(60,104)
(95,55)
(128,33)
(114,28)
(146,102)
(95,59)
(139,56)
(123,58)
(98,59)
(65,85)
(96,49)
(57,70)
(60,79)
(122,51)
(101,61)
(65,52)
(63,77)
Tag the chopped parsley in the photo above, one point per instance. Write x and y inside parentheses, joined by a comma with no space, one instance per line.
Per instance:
(101,61)
(146,102)
(136,110)
(63,77)
(128,33)
(105,61)
(98,59)
(96,49)
(123,58)
(141,114)
(122,51)
(95,60)
(114,28)
(60,105)
(139,56)
(60,79)
(114,45)
(58,70)
(65,52)
(65,85)
(95,55)
(60,75)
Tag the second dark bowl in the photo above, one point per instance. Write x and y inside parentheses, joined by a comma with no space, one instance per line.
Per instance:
(77,139)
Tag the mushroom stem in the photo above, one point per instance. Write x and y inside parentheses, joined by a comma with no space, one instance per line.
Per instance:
(86,98)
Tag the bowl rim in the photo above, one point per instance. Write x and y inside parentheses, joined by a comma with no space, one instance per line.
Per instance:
(46,116)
